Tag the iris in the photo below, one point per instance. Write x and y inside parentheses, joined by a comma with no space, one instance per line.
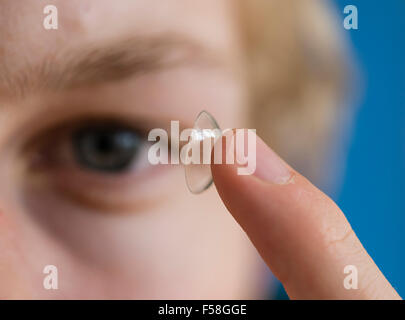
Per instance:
(108,148)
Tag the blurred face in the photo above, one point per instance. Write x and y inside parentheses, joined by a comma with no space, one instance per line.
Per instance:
(76,189)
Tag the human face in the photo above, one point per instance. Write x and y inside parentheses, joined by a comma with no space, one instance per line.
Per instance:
(134,233)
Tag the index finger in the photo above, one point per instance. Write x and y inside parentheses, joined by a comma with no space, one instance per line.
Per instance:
(301,234)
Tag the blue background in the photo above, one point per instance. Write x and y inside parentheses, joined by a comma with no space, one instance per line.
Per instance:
(373,190)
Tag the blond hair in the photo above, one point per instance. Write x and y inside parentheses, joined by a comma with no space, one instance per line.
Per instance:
(296,76)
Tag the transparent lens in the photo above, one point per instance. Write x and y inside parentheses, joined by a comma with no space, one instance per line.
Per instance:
(204,135)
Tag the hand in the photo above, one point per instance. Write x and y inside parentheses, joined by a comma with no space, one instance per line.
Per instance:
(301,234)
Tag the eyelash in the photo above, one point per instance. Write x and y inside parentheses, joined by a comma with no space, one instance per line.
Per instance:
(43,163)
(53,139)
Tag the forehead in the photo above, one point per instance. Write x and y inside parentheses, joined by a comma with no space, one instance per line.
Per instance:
(25,40)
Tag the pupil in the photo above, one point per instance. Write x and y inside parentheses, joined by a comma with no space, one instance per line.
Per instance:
(106,148)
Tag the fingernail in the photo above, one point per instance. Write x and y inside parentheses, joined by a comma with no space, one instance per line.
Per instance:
(269,166)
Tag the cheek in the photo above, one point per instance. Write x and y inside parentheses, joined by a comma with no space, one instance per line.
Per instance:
(88,231)
(18,276)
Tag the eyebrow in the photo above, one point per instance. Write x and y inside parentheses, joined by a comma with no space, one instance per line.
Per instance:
(97,64)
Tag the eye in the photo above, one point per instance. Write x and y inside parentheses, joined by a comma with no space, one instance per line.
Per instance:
(95,163)
(106,148)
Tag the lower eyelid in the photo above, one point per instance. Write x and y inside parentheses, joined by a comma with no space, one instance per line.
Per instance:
(117,194)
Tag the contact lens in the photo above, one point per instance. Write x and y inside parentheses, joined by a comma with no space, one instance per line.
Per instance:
(202,139)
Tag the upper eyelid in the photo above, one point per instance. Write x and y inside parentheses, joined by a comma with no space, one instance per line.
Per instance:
(66,126)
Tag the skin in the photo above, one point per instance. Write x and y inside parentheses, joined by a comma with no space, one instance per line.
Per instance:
(139,234)
(302,235)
